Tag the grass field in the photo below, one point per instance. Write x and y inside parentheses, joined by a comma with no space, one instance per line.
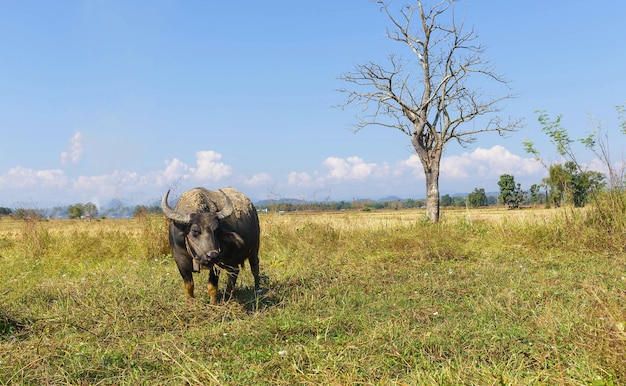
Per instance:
(485,297)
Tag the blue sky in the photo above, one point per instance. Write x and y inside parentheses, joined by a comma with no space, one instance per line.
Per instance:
(119,99)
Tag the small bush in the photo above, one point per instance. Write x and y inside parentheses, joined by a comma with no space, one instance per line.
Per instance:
(154,239)
(35,239)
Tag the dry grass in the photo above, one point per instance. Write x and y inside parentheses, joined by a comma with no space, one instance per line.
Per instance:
(485,297)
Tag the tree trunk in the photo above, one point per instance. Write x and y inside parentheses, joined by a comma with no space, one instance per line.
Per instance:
(432,194)
(429,152)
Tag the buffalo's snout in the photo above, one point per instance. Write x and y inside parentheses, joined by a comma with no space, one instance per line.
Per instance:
(210,258)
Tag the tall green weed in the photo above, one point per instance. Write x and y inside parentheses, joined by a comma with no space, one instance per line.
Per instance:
(609,215)
(154,240)
(34,240)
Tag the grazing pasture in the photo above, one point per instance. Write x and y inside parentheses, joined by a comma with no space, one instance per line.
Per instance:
(485,297)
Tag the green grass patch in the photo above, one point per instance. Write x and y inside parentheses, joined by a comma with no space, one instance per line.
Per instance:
(348,298)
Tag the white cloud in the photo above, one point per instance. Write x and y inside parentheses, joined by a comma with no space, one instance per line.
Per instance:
(20,177)
(601,166)
(76,149)
(210,167)
(299,179)
(106,185)
(174,170)
(481,163)
(258,179)
(488,163)
(351,168)
(102,182)
(414,164)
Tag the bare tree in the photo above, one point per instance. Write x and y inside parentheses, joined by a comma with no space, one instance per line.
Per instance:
(429,99)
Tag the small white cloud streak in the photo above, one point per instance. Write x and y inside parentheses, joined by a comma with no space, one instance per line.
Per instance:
(95,183)
(260,179)
(106,185)
(299,179)
(76,149)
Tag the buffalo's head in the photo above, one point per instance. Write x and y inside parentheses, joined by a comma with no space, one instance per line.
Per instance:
(202,231)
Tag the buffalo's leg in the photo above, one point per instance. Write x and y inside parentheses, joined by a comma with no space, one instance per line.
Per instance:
(185,268)
(188,280)
(189,288)
(214,278)
(254,267)
(233,273)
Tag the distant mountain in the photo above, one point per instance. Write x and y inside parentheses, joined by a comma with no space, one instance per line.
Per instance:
(116,209)
(389,199)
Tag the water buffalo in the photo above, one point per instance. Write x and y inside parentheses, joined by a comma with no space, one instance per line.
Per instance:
(213,230)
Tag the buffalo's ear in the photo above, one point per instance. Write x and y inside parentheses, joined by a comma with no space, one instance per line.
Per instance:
(232,238)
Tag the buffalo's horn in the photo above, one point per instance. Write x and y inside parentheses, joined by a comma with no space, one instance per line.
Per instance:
(227,210)
(172,214)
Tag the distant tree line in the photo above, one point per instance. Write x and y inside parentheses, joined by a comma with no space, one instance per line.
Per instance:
(21,213)
(81,210)
(565,185)
(143,210)
(280,206)
(89,210)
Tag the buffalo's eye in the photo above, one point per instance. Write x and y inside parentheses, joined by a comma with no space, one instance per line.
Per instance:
(195,232)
